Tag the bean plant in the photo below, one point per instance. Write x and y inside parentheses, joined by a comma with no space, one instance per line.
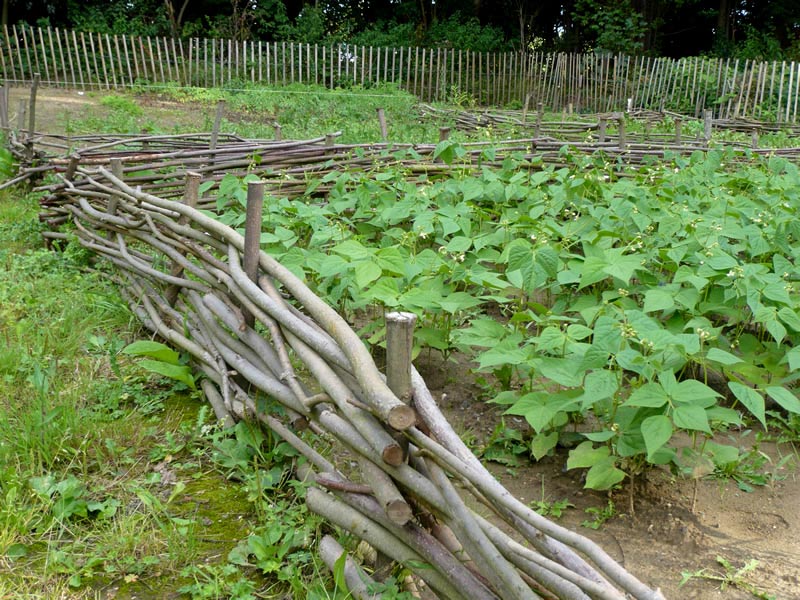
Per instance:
(625,303)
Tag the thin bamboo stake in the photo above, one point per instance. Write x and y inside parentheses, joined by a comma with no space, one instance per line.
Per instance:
(25,31)
(18,53)
(152,59)
(789,91)
(53,61)
(3,52)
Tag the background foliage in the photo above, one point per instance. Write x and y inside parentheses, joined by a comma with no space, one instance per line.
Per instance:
(754,29)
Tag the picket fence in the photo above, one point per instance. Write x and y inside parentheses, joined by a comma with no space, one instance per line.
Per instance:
(732,89)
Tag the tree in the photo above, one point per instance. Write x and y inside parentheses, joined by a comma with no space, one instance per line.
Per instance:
(175,17)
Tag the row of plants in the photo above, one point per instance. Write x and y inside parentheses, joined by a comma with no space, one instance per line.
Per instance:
(628,305)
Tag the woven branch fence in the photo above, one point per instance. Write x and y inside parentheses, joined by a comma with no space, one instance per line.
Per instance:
(155,163)
(270,350)
(732,89)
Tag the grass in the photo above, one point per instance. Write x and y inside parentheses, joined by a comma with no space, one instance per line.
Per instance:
(111,481)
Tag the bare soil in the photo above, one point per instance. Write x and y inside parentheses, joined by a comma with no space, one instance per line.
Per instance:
(676,525)
(673,527)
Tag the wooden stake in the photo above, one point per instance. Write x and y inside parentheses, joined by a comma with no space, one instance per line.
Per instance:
(382,123)
(4,125)
(399,348)
(74,159)
(252,234)
(32,116)
(118,171)
(22,108)
(191,195)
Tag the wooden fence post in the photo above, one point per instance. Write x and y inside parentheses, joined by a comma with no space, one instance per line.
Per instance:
(707,125)
(32,116)
(444,133)
(399,351)
(191,194)
(621,125)
(382,123)
(72,166)
(678,123)
(601,130)
(278,133)
(4,107)
(22,108)
(217,123)
(539,117)
(118,171)
(399,348)
(252,235)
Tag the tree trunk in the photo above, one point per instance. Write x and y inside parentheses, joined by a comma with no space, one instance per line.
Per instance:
(724,20)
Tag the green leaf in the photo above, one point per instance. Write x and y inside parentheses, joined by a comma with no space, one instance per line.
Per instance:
(597,386)
(623,267)
(722,357)
(651,395)
(539,408)
(353,250)
(507,352)
(604,474)
(15,551)
(448,150)
(777,292)
(722,262)
(458,301)
(483,332)
(338,572)
(788,316)
(180,373)
(689,416)
(561,370)
(656,431)
(657,300)
(785,398)
(695,392)
(586,455)
(366,272)
(599,436)
(752,400)
(152,349)
(542,443)
(547,258)
(459,243)
(793,358)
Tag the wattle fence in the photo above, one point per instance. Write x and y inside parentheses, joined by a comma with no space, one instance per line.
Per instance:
(732,89)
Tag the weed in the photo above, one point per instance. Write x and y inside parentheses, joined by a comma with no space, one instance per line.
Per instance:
(730,576)
(599,515)
(505,446)
(552,508)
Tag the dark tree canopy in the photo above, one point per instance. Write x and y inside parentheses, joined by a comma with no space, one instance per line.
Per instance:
(755,29)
